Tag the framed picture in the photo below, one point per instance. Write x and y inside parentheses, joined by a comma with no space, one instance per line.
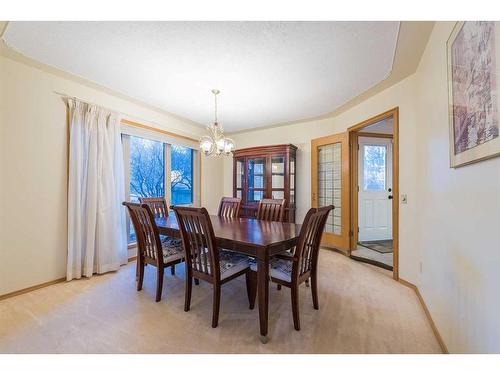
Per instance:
(472,92)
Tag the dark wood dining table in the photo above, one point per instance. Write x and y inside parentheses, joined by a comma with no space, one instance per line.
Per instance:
(256,238)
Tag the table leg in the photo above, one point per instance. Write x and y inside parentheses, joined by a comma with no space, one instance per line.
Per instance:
(263,294)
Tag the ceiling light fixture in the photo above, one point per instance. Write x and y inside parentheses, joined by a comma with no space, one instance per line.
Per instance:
(216,144)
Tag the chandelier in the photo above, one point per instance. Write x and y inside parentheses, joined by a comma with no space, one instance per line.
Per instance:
(216,144)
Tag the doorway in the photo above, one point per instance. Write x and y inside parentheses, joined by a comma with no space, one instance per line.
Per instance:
(357,172)
(374,188)
(375,191)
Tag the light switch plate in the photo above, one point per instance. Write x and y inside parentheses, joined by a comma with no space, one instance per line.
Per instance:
(404,199)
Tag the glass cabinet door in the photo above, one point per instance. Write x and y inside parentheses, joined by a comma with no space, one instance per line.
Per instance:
(278,177)
(256,179)
(292,181)
(240,177)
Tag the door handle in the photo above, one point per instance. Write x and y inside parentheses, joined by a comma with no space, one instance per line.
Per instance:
(390,197)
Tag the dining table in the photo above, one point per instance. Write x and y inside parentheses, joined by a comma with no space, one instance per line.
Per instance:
(256,238)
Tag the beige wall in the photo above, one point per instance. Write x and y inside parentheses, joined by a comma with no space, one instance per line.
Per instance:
(450,227)
(459,223)
(33,168)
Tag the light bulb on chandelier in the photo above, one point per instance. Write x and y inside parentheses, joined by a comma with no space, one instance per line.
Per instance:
(216,143)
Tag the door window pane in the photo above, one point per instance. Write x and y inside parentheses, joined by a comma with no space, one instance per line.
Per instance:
(147,171)
(181,174)
(374,171)
(330,183)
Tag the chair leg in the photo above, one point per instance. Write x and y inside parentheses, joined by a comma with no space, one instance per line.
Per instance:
(216,301)
(196,282)
(248,279)
(295,306)
(314,291)
(172,270)
(159,283)
(187,293)
(253,290)
(140,276)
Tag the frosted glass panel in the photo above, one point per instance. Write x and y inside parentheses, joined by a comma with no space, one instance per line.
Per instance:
(330,183)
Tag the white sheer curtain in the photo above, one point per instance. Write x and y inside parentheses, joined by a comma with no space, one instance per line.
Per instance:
(96,220)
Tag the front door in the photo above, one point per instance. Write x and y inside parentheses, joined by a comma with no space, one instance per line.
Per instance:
(330,185)
(375,189)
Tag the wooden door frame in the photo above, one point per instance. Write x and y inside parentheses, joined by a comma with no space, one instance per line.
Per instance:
(354,133)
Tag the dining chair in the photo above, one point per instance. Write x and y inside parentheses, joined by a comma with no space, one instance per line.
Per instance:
(271,210)
(158,205)
(152,250)
(294,269)
(205,260)
(229,207)
(159,208)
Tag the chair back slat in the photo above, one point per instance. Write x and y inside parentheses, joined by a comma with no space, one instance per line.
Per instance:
(198,240)
(306,252)
(158,205)
(271,209)
(146,231)
(229,207)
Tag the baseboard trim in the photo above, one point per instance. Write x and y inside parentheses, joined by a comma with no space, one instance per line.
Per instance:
(31,288)
(427,313)
(42,285)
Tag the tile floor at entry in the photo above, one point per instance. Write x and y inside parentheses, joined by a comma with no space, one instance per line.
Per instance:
(362,310)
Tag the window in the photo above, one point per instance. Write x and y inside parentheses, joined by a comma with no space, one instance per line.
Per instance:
(147,168)
(155,167)
(374,167)
(181,172)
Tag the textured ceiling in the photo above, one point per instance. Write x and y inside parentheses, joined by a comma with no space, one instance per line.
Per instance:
(268,72)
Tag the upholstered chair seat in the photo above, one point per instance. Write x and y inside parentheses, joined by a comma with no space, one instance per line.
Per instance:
(278,269)
(172,249)
(231,263)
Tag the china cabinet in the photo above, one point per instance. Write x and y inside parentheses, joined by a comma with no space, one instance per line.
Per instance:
(265,172)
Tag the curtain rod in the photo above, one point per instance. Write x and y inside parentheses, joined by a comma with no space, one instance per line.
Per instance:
(130,122)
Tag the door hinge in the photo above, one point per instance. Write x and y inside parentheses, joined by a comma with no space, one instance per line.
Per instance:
(358,229)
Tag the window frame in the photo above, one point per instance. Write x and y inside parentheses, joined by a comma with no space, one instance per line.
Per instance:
(167,139)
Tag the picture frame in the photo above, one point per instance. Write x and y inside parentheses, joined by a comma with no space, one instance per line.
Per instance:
(473,101)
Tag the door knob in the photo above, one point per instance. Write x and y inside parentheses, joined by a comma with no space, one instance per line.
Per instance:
(390,197)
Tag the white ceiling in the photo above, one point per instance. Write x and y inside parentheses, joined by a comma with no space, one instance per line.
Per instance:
(268,72)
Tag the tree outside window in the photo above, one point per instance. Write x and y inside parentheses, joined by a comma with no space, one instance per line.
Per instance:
(181,174)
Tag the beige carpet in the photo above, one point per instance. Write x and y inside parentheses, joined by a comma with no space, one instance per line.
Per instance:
(362,310)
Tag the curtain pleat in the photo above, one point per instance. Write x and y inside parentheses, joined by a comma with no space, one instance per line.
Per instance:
(96,220)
